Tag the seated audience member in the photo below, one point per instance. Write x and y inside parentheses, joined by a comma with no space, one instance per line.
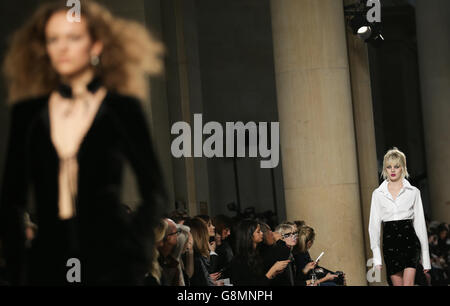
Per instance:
(200,235)
(268,238)
(170,270)
(246,268)
(185,268)
(286,239)
(153,277)
(213,257)
(443,243)
(439,253)
(305,265)
(223,226)
(187,259)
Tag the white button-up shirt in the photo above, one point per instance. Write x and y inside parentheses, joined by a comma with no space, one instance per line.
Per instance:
(407,205)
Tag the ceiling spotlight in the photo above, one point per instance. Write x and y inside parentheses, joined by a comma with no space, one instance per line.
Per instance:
(358,23)
(369,32)
(364,32)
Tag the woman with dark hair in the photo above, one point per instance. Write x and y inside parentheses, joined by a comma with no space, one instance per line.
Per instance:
(247,264)
(223,225)
(76,119)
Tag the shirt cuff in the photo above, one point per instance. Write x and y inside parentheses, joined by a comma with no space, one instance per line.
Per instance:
(426,260)
(213,253)
(377,257)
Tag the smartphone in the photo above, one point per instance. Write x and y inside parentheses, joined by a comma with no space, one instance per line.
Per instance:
(320,256)
(212,239)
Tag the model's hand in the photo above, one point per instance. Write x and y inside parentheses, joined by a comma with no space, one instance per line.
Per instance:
(378,267)
(426,270)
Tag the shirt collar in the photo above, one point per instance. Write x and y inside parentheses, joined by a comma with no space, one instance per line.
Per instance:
(384,186)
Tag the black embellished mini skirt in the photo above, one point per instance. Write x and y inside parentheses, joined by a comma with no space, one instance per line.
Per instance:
(401,247)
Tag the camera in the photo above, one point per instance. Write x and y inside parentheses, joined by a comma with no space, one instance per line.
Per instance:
(340,279)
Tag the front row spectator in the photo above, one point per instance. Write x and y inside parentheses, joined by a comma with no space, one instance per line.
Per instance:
(285,239)
(306,265)
(169,264)
(247,265)
(185,268)
(213,256)
(153,278)
(223,225)
(200,235)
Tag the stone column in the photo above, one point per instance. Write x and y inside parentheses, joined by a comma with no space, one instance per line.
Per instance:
(317,130)
(433,39)
(365,132)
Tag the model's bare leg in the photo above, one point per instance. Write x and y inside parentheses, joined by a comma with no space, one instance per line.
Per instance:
(409,275)
(397,279)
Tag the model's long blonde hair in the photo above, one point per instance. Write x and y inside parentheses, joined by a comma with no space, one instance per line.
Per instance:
(130,53)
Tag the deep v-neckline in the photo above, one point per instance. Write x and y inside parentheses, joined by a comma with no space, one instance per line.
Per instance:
(83,140)
(395,198)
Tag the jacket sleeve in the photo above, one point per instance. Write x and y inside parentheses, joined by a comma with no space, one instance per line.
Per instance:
(375,230)
(14,195)
(421,230)
(139,150)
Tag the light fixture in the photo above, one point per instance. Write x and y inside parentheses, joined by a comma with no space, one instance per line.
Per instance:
(369,32)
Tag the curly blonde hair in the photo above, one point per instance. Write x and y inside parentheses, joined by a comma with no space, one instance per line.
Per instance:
(130,53)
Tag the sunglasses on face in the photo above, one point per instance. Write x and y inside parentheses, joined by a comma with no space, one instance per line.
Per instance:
(287,235)
(174,233)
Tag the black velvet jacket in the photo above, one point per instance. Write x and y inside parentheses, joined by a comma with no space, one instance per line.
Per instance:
(114,247)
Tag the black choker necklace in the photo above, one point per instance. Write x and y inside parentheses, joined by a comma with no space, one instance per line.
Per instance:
(66,91)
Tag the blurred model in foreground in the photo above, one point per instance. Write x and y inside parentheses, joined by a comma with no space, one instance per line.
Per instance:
(398,206)
(76,118)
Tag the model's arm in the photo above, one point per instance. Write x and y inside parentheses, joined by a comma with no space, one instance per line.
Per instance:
(14,196)
(374,230)
(139,150)
(421,230)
